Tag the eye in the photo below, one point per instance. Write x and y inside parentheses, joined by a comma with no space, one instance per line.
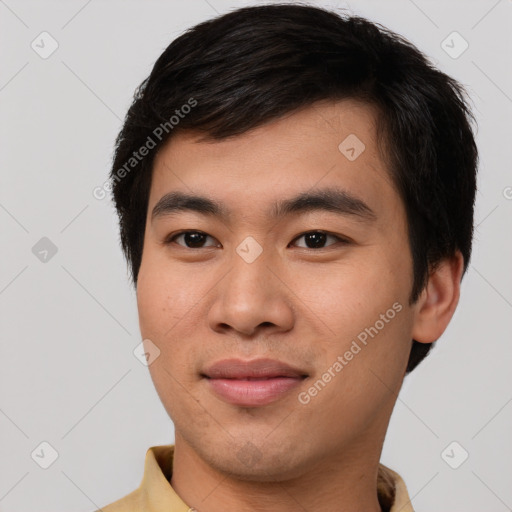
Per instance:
(317,239)
(191,239)
(197,240)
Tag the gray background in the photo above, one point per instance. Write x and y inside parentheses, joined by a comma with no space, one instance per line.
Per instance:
(69,325)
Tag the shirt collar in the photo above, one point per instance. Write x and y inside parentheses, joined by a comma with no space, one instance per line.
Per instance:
(156,493)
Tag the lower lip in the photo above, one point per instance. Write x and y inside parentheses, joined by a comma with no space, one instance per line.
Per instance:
(251,393)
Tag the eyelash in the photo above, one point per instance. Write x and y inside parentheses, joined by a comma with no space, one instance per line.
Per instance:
(171,239)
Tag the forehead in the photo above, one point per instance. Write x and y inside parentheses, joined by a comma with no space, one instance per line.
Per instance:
(325,144)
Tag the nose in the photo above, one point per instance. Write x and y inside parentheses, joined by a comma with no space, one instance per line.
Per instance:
(251,301)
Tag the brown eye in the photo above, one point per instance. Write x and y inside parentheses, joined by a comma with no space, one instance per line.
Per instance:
(317,239)
(192,239)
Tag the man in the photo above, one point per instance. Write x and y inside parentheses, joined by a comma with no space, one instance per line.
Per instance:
(295,191)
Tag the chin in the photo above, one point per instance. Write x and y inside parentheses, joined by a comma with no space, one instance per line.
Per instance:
(245,461)
(264,470)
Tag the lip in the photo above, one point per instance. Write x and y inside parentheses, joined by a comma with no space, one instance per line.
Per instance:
(252,383)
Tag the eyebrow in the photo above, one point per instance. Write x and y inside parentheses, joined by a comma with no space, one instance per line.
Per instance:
(334,200)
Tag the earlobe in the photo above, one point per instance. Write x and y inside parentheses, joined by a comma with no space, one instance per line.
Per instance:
(438,300)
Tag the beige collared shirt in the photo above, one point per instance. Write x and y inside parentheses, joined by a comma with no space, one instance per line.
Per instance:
(155,493)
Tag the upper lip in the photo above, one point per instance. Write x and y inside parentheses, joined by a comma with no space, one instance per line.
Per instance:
(240,369)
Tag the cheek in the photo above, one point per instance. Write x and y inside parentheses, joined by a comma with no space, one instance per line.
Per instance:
(170,302)
(164,297)
(152,305)
(361,368)
(351,296)
(164,303)
(361,311)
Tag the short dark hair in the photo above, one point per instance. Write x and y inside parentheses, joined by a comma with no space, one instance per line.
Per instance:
(256,64)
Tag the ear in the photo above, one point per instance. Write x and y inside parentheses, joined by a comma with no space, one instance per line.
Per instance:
(438,300)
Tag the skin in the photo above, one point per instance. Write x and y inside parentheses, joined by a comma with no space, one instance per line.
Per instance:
(296,304)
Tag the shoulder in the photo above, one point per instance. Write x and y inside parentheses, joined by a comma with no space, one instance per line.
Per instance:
(130,502)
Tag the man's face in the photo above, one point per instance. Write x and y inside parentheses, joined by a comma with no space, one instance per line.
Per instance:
(310,287)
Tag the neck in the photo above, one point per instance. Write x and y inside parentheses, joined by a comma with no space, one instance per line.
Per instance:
(340,481)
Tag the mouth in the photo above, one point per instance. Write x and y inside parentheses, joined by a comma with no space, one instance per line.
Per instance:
(252,383)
